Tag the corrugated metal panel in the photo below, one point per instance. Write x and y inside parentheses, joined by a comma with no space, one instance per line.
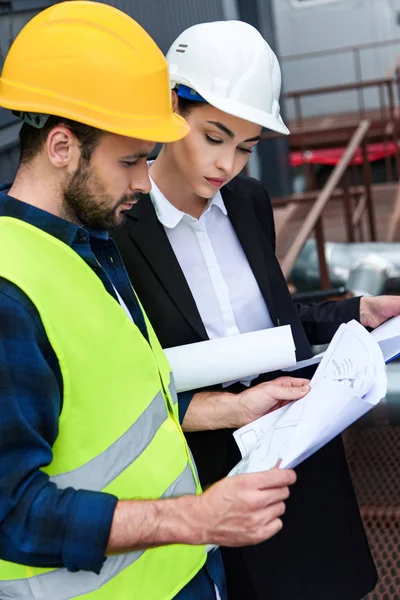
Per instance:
(10,25)
(6,118)
(23,5)
(8,164)
(9,136)
(9,151)
(166,19)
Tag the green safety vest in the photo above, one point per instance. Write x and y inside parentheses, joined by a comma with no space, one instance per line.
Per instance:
(118,429)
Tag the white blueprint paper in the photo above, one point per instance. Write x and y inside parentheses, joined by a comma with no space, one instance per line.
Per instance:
(349,381)
(231,358)
(388,338)
(387,335)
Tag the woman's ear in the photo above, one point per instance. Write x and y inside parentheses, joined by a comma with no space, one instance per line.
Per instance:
(174,96)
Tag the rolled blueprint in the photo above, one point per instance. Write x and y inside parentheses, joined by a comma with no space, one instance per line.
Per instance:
(231,358)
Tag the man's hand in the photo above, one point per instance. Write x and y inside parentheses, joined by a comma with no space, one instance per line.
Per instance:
(266,397)
(243,510)
(219,410)
(376,310)
(236,511)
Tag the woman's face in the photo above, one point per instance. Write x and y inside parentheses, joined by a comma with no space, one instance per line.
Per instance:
(215,150)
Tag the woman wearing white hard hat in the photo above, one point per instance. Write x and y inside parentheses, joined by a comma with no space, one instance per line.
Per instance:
(200,252)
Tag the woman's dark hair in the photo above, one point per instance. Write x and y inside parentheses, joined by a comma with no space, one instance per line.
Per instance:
(185,106)
(32,139)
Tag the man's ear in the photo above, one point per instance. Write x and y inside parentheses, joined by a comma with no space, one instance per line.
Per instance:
(62,148)
(174,100)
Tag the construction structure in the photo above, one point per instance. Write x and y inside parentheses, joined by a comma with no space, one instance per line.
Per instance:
(356,203)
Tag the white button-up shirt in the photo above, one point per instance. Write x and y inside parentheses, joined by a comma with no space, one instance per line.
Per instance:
(215,266)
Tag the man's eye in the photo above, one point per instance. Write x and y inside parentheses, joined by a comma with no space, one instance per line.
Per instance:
(128,163)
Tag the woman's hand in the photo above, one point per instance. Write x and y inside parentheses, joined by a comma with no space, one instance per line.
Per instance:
(266,397)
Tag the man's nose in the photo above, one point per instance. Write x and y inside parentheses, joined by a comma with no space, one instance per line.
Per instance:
(141,182)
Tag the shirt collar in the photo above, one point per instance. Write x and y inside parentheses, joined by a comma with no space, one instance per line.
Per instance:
(218,201)
(169,215)
(66,232)
(100,234)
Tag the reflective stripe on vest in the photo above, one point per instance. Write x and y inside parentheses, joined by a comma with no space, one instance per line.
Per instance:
(63,585)
(172,389)
(114,460)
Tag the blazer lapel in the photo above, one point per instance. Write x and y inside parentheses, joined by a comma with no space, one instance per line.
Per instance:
(148,234)
(245,223)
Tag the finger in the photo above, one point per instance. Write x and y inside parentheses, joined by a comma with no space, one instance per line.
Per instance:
(271,529)
(273,478)
(275,511)
(290,381)
(298,381)
(281,403)
(274,496)
(288,393)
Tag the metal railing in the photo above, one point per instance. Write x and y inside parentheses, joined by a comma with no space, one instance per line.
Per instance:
(356,53)
(356,50)
(317,132)
(385,85)
(385,125)
(338,185)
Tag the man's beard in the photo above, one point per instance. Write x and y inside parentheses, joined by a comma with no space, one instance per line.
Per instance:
(87,203)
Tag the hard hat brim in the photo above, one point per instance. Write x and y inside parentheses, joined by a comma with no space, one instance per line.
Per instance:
(244,111)
(169,127)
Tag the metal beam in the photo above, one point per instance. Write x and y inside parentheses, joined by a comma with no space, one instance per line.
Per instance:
(316,211)
(230,10)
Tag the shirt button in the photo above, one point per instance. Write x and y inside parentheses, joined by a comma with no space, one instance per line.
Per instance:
(82,236)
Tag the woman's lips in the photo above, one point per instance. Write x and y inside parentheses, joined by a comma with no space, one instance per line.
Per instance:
(215,181)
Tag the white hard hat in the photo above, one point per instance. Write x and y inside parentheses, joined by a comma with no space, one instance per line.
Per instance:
(231,66)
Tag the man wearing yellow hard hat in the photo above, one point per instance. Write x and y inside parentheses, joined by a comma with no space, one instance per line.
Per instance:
(99,497)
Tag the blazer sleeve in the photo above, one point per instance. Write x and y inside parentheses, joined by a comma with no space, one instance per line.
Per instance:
(320,320)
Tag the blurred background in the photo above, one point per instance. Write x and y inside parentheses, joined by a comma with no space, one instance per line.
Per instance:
(334,183)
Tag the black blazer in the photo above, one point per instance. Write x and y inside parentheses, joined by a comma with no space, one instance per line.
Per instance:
(322,552)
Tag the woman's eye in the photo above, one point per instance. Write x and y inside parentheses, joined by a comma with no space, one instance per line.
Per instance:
(212,140)
(245,150)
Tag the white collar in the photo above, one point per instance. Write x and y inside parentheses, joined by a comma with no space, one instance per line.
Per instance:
(170,216)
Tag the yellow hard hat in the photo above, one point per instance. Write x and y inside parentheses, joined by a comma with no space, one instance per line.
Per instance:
(92,63)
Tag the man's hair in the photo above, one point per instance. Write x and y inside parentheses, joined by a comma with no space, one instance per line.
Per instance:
(32,139)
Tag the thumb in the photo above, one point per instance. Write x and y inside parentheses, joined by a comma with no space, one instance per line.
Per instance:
(288,393)
(290,381)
